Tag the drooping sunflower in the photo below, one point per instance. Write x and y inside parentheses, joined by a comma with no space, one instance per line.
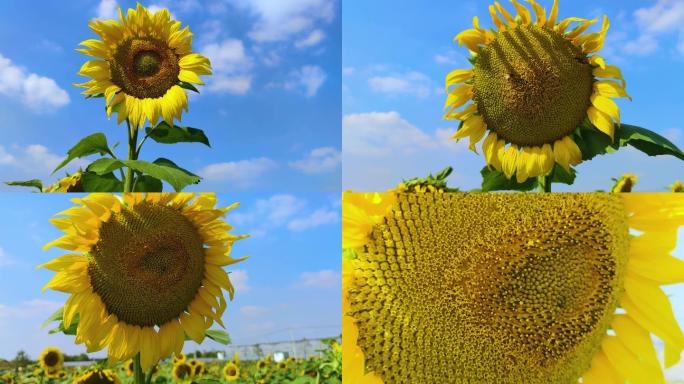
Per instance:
(182,371)
(141,61)
(51,359)
(529,288)
(98,376)
(625,183)
(534,82)
(231,371)
(678,186)
(146,271)
(70,183)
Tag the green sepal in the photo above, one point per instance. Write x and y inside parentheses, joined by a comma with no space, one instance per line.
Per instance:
(493,180)
(188,86)
(35,183)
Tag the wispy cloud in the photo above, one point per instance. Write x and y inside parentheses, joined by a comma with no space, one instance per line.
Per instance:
(665,17)
(232,66)
(107,9)
(307,79)
(312,39)
(240,280)
(408,83)
(283,20)
(316,218)
(242,173)
(319,160)
(320,279)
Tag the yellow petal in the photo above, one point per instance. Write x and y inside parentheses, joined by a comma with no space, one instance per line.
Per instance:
(489,147)
(601,371)
(509,18)
(458,76)
(553,15)
(471,38)
(597,61)
(64,262)
(610,89)
(601,121)
(524,13)
(627,364)
(193,325)
(500,25)
(611,72)
(510,161)
(464,114)
(149,348)
(539,12)
(636,339)
(474,128)
(606,106)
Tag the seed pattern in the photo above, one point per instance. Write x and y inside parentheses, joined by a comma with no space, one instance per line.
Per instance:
(527,283)
(532,86)
(148,264)
(144,67)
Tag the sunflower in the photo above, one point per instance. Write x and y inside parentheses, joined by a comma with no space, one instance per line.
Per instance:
(625,183)
(179,358)
(231,371)
(282,365)
(141,62)
(678,186)
(532,288)
(236,358)
(146,271)
(130,368)
(98,376)
(261,364)
(70,183)
(51,359)
(182,371)
(533,83)
(198,368)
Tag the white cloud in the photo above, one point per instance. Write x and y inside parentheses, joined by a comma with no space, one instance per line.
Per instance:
(315,37)
(280,20)
(274,211)
(308,78)
(36,92)
(107,9)
(158,7)
(662,18)
(253,310)
(5,260)
(412,82)
(315,219)
(239,278)
(242,173)
(321,279)
(34,158)
(319,160)
(380,149)
(232,66)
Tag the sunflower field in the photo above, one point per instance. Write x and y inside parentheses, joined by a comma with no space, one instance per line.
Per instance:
(325,368)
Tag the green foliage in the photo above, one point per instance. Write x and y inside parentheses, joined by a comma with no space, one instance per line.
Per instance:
(493,180)
(89,145)
(107,182)
(165,134)
(218,336)
(35,183)
(188,86)
(592,142)
(162,169)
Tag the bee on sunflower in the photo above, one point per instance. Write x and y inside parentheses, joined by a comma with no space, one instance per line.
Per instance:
(533,288)
(145,272)
(541,97)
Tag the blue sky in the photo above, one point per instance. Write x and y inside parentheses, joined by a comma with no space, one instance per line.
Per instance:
(289,287)
(395,58)
(271,110)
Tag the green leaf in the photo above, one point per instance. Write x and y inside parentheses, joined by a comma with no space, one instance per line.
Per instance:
(647,141)
(57,315)
(188,86)
(560,175)
(107,182)
(28,183)
(98,95)
(218,336)
(67,331)
(493,180)
(592,142)
(104,166)
(167,170)
(147,183)
(89,145)
(165,134)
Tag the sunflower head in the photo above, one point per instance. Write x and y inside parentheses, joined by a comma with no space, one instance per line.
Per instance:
(181,371)
(534,82)
(625,183)
(678,186)
(514,288)
(198,368)
(261,364)
(282,365)
(140,64)
(149,268)
(179,358)
(70,183)
(231,371)
(98,376)
(51,359)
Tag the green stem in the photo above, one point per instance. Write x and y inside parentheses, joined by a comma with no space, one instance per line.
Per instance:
(138,374)
(544,183)
(148,380)
(132,155)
